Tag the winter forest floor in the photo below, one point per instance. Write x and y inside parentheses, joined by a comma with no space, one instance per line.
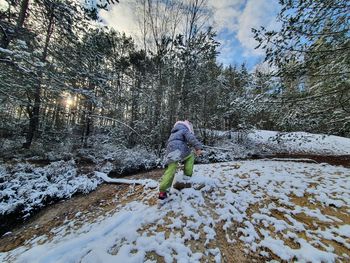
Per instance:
(241,211)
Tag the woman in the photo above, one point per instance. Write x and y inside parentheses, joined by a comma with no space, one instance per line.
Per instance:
(181,137)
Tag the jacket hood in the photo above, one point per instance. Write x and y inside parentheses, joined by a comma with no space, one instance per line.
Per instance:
(185,123)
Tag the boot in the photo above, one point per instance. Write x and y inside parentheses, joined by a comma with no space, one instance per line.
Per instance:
(162,195)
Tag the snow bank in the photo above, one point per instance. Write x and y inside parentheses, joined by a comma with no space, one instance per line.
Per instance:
(229,146)
(24,187)
(254,203)
(302,142)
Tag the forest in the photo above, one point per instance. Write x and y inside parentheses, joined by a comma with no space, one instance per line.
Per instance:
(66,78)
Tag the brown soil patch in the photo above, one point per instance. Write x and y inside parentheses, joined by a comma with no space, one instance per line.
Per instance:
(233,252)
(339,249)
(154,256)
(340,213)
(153,174)
(98,202)
(343,160)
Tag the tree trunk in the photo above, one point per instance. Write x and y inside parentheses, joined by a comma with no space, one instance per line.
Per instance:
(33,118)
(35,111)
(134,108)
(22,13)
(87,125)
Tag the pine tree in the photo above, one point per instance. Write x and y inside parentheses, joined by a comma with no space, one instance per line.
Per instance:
(311,51)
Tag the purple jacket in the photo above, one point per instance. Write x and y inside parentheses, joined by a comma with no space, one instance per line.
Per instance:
(178,143)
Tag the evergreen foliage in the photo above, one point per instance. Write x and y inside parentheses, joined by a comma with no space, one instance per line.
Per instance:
(63,79)
(312,54)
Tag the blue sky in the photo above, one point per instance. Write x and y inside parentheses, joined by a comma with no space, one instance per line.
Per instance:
(231,19)
(234,31)
(232,52)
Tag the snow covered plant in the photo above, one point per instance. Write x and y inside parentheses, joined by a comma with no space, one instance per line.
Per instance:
(121,159)
(23,188)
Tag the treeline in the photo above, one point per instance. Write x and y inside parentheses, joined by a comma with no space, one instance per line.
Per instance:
(65,77)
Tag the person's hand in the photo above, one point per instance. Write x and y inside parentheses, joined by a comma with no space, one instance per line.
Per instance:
(199,152)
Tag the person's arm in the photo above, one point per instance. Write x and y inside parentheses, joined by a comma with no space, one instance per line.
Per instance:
(193,141)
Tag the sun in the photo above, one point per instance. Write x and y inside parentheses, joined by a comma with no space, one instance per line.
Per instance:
(69,101)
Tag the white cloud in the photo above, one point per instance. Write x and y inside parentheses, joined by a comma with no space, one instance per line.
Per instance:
(232,19)
(122,17)
(225,13)
(255,14)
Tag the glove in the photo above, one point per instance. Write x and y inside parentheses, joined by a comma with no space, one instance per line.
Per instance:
(199,152)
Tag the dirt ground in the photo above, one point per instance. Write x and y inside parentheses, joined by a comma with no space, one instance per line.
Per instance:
(343,160)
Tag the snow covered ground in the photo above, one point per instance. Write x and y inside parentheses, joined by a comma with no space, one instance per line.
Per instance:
(230,146)
(236,211)
(302,142)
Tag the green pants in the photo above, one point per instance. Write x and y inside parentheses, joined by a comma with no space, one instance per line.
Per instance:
(170,171)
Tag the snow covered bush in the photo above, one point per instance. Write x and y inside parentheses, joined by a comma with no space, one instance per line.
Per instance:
(123,161)
(24,188)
